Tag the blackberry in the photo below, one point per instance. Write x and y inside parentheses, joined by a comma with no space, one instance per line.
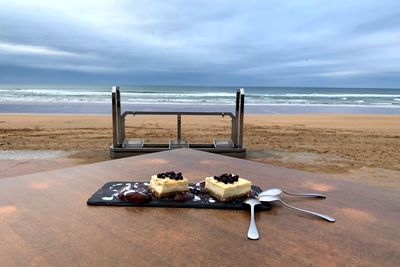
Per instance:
(171,175)
(227,178)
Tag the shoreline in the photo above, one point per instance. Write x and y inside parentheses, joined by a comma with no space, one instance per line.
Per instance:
(105,108)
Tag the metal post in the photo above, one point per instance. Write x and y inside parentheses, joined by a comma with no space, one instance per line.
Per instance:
(121,125)
(122,134)
(234,132)
(241,117)
(179,124)
(114,116)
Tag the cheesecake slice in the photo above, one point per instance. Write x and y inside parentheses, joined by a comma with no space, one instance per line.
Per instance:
(227,187)
(168,184)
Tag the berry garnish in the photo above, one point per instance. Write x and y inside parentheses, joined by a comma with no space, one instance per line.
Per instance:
(171,175)
(227,178)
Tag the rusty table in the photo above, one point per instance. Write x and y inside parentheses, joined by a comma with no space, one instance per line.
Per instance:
(44,219)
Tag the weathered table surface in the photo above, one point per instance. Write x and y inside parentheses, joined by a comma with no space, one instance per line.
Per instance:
(44,219)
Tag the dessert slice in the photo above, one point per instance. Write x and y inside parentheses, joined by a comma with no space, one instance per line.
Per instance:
(227,187)
(167,184)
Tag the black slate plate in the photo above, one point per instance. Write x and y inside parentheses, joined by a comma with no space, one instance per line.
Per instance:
(107,196)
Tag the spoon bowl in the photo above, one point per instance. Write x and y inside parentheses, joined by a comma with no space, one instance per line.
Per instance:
(268,198)
(271,192)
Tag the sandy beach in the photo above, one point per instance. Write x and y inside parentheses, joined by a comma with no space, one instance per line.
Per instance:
(352,146)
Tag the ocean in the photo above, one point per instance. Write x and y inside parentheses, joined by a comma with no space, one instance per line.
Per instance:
(97,99)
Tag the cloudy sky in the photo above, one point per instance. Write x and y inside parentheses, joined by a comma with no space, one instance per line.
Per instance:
(345,43)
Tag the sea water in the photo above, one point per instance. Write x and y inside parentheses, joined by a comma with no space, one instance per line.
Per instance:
(97,99)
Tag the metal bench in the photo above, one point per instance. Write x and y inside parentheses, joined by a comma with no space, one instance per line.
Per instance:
(123,147)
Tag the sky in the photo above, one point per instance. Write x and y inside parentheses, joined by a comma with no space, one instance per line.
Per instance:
(233,43)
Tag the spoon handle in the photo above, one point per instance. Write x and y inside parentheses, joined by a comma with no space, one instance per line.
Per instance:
(304,195)
(253,232)
(325,217)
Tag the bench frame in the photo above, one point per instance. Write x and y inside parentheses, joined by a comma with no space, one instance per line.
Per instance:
(121,148)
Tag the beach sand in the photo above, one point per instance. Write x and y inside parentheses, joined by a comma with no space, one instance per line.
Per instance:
(352,146)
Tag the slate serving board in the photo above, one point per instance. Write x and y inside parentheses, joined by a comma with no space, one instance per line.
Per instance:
(107,195)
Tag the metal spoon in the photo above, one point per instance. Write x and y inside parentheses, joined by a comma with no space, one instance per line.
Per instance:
(275,198)
(277,191)
(253,232)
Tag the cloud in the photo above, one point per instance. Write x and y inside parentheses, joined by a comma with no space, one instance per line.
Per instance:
(341,73)
(20,49)
(287,43)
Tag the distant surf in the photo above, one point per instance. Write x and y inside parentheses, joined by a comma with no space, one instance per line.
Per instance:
(259,98)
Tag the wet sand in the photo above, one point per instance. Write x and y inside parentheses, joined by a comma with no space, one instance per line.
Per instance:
(353,146)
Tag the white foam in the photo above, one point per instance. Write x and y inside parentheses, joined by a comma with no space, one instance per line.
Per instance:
(178,96)
(331,95)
